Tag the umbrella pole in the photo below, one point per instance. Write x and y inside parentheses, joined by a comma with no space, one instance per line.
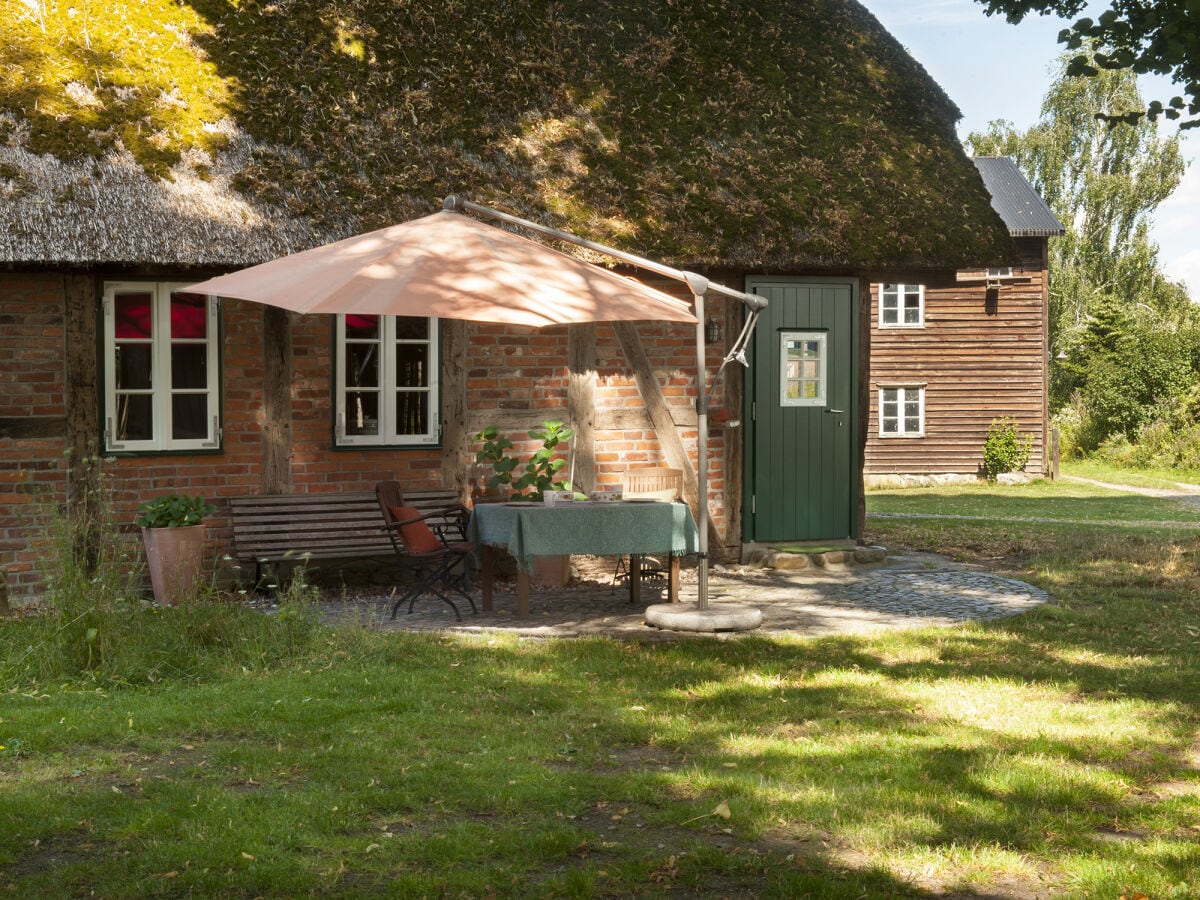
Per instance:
(701,450)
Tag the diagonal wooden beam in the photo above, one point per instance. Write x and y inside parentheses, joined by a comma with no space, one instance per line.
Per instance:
(660,417)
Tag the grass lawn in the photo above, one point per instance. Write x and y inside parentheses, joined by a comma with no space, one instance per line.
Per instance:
(1052,754)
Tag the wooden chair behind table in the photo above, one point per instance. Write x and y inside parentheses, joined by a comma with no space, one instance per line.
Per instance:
(433,543)
(649,483)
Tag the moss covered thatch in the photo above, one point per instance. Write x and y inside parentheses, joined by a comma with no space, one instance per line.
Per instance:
(776,134)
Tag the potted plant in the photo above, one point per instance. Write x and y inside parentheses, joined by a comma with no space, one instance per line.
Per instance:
(540,472)
(173,533)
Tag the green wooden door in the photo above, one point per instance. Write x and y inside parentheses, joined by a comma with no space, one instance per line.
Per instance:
(801,456)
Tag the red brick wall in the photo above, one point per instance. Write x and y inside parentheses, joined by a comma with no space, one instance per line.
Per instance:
(32,473)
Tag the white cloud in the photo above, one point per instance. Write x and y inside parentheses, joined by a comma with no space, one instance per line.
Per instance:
(1186,268)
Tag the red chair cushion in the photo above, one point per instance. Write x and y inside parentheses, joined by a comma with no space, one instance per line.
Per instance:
(418,536)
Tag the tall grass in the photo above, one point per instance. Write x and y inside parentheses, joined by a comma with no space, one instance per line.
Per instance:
(94,622)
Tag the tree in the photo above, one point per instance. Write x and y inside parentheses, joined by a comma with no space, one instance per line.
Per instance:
(1104,184)
(1108,295)
(1139,35)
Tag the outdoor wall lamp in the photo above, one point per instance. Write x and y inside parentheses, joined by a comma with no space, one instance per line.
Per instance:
(712,330)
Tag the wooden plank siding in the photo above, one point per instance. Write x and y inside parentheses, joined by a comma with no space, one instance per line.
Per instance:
(981,355)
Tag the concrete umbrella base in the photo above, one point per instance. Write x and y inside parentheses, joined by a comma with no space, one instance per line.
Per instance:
(689,617)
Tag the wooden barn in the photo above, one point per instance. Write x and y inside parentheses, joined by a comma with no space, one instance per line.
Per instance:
(143,149)
(953,351)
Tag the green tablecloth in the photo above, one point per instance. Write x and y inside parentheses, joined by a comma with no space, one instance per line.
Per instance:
(598,529)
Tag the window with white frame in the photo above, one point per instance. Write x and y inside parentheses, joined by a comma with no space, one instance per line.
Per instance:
(161,368)
(802,365)
(901,305)
(902,411)
(387,380)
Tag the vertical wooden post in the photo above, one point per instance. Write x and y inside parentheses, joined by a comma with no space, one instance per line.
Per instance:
(456,439)
(863,313)
(82,400)
(735,435)
(277,401)
(1054,454)
(581,403)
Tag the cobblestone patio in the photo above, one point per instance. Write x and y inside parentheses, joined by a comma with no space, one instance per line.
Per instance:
(904,592)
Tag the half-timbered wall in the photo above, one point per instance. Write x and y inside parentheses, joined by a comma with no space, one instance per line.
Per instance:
(276,400)
(980,355)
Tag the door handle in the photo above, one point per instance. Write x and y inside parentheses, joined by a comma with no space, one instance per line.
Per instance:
(835,412)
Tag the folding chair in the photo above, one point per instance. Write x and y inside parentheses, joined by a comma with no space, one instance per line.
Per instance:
(433,543)
(650,483)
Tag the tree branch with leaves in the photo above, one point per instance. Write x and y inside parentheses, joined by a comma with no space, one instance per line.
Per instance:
(1144,36)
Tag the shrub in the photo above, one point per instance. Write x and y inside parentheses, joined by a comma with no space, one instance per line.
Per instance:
(1005,450)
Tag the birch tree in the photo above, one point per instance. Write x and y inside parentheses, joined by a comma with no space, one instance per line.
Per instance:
(1104,182)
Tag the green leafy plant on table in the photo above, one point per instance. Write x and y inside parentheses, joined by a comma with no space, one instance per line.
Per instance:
(540,471)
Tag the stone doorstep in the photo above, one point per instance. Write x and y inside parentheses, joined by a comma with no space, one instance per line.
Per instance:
(794,560)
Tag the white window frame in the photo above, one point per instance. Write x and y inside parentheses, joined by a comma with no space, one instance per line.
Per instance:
(903,390)
(897,292)
(161,390)
(822,339)
(387,436)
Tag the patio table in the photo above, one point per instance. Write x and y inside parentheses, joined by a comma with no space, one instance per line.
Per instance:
(629,527)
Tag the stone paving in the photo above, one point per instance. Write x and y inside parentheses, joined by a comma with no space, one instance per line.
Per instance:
(906,591)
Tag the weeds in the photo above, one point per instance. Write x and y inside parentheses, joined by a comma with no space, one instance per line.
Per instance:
(95,624)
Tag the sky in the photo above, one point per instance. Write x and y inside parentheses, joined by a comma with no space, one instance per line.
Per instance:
(994,70)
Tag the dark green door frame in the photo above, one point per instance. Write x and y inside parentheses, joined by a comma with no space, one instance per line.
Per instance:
(802,455)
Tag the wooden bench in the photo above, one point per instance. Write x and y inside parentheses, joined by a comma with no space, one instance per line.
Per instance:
(283,528)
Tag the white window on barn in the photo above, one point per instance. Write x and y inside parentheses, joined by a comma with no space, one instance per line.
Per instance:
(902,411)
(901,305)
(161,369)
(387,381)
(802,364)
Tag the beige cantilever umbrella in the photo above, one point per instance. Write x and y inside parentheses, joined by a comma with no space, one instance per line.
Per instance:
(448,265)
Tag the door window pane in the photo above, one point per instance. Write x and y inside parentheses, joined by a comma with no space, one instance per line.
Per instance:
(802,368)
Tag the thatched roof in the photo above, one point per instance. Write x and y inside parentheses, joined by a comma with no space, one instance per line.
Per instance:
(759,134)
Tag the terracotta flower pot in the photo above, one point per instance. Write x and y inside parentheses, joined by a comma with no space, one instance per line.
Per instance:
(175,557)
(550,571)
